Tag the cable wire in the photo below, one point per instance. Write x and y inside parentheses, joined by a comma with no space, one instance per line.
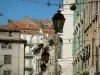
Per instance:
(61,4)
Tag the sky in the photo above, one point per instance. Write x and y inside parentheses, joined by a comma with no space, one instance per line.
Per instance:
(18,9)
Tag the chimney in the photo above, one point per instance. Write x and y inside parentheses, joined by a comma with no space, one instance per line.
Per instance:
(27,17)
(10,22)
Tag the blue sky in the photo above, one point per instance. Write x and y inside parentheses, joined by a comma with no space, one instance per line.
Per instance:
(17,9)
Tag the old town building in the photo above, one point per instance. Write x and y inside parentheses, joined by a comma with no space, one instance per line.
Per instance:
(86,44)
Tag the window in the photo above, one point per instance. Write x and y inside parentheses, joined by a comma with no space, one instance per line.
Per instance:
(93,51)
(89,50)
(7,72)
(6,45)
(45,26)
(3,45)
(84,56)
(10,33)
(9,46)
(7,59)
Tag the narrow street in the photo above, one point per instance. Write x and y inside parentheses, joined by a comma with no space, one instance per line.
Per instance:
(49,37)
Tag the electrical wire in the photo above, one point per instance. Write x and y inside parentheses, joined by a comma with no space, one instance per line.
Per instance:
(67,39)
(67,67)
(58,58)
(49,4)
(46,70)
(61,4)
(1,14)
(25,67)
(63,39)
(89,31)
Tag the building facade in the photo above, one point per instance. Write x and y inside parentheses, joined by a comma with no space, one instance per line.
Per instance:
(67,38)
(40,38)
(11,52)
(86,57)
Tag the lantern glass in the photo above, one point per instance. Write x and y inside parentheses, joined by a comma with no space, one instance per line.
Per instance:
(73,7)
(43,67)
(58,21)
(45,57)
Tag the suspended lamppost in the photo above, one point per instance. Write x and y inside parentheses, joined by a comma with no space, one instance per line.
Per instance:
(51,42)
(45,56)
(58,21)
(41,45)
(46,48)
(43,67)
(73,7)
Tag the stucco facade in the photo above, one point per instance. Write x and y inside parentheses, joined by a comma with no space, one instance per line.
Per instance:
(67,35)
(11,45)
(87,56)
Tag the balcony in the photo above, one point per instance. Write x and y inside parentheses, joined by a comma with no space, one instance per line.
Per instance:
(29,44)
(29,67)
(29,55)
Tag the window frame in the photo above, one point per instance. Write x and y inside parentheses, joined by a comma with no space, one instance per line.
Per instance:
(6,72)
(5,45)
(7,59)
(10,34)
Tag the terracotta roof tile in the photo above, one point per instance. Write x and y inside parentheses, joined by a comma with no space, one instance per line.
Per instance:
(10,27)
(48,30)
(20,24)
(38,23)
(46,21)
(31,26)
(28,28)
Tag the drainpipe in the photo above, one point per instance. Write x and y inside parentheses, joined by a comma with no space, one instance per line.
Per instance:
(56,36)
(97,40)
(97,58)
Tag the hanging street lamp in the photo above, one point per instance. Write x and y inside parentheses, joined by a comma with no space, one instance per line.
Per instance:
(41,45)
(58,21)
(45,56)
(43,67)
(51,42)
(46,48)
(73,7)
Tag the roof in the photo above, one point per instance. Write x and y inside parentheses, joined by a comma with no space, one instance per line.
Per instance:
(48,30)
(48,22)
(11,39)
(27,26)
(9,27)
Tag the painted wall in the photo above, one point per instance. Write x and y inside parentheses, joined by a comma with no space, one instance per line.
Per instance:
(68,34)
(17,53)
